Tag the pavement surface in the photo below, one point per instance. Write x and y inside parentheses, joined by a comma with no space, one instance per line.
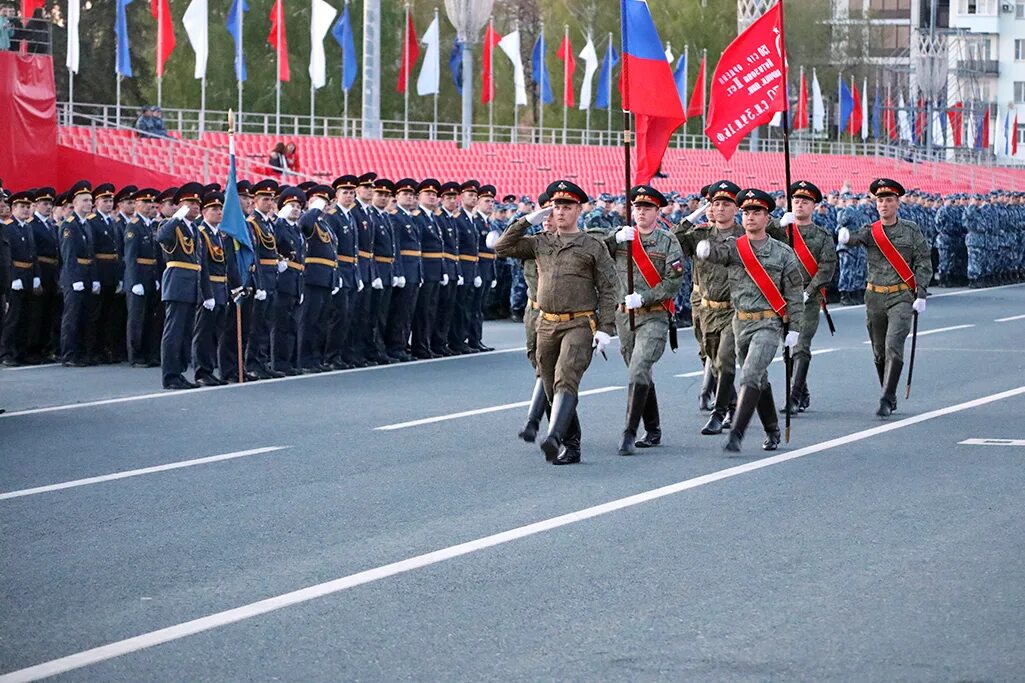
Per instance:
(386,524)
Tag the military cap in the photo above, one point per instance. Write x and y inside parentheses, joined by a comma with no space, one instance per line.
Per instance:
(103,190)
(756,199)
(306,185)
(125,193)
(244,188)
(566,191)
(81,187)
(806,190)
(45,194)
(61,199)
(509,199)
(487,191)
(470,186)
(366,180)
(265,188)
(723,189)
(646,194)
(704,192)
(885,187)
(605,197)
(405,185)
(23,197)
(543,200)
(384,185)
(212,187)
(450,187)
(429,185)
(146,194)
(213,198)
(291,194)
(322,191)
(167,195)
(345,182)
(189,192)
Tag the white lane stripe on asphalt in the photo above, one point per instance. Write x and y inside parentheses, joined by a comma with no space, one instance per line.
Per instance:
(1007,320)
(924,333)
(777,359)
(254,609)
(480,411)
(992,442)
(32,367)
(137,473)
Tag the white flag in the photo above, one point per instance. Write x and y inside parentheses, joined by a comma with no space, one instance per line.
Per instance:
(510,45)
(777,120)
(903,121)
(939,139)
(429,80)
(195,23)
(669,53)
(864,110)
(818,107)
(321,16)
(590,58)
(74,11)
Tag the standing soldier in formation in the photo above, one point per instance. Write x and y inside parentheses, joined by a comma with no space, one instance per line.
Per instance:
(658,260)
(405,224)
(76,276)
(320,279)
(899,268)
(852,258)
(485,266)
(341,352)
(291,250)
(268,266)
(451,280)
(469,276)
(816,255)
(386,281)
(215,285)
(45,307)
(108,271)
(433,265)
(766,290)
(363,319)
(142,259)
(577,298)
(22,278)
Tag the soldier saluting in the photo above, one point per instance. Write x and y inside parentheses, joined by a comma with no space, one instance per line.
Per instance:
(899,268)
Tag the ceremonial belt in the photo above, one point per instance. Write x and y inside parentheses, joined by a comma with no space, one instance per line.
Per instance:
(343,258)
(466,257)
(146,261)
(218,278)
(756,315)
(432,254)
(887,289)
(49,260)
(409,252)
(652,308)
(184,264)
(893,256)
(451,257)
(366,254)
(384,259)
(487,255)
(268,262)
(802,251)
(566,317)
(533,304)
(296,266)
(310,260)
(708,303)
(650,275)
(84,261)
(106,257)
(756,271)
(23,264)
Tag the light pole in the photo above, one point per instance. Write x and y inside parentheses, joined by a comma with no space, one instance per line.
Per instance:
(468,17)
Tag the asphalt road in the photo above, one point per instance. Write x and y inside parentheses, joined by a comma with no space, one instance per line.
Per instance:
(323,547)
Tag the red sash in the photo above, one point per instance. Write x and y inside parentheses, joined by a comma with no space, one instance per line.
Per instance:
(756,270)
(893,256)
(648,272)
(802,251)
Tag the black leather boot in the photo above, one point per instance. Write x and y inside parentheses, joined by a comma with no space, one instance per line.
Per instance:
(564,406)
(888,401)
(746,403)
(538,404)
(652,423)
(731,408)
(770,421)
(706,400)
(797,382)
(636,402)
(569,454)
(881,371)
(723,396)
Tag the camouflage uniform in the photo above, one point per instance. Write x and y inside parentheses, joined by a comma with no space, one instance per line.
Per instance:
(852,258)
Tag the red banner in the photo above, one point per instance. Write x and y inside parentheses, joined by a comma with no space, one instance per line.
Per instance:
(749,84)
(410,53)
(649,273)
(956,116)
(491,40)
(565,53)
(757,271)
(804,254)
(801,112)
(28,121)
(882,241)
(278,40)
(161,11)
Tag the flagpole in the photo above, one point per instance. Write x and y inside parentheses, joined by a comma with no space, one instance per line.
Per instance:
(587,115)
(787,357)
(686,61)
(345,91)
(202,105)
(117,106)
(238,301)
(541,91)
(434,128)
(704,105)
(71,98)
(313,99)
(405,78)
(491,84)
(277,51)
(565,81)
(238,62)
(609,90)
(516,106)
(160,51)
(627,133)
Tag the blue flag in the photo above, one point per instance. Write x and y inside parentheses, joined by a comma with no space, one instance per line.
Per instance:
(605,77)
(342,33)
(846,107)
(540,70)
(123,63)
(680,76)
(877,114)
(233,223)
(234,24)
(455,64)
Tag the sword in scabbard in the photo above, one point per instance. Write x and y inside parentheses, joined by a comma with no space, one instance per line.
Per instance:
(829,318)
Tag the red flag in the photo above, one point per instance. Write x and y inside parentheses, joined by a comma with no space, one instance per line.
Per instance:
(696,103)
(161,11)
(29,7)
(1014,135)
(854,127)
(801,111)
(889,120)
(921,121)
(491,39)
(956,116)
(278,40)
(985,128)
(565,53)
(749,83)
(410,53)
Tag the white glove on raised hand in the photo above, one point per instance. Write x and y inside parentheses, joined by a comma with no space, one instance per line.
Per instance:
(444,280)
(282,266)
(78,286)
(317,203)
(843,236)
(805,295)
(359,286)
(477,282)
(791,339)
(919,305)
(209,304)
(260,295)
(17,285)
(492,239)
(376,283)
(460,281)
(538,217)
(120,287)
(626,234)
(703,249)
(601,340)
(38,283)
(96,287)
(138,289)
(633,301)
(394,281)
(698,213)
(181,213)
(787,219)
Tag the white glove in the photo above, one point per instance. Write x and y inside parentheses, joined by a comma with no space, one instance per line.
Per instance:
(601,340)
(459,282)
(157,285)
(633,301)
(538,217)
(96,287)
(703,249)
(335,290)
(301,297)
(444,280)
(359,286)
(843,236)
(477,282)
(492,239)
(181,213)
(260,295)
(787,219)
(208,304)
(282,266)
(919,305)
(377,284)
(17,285)
(805,295)
(138,289)
(78,286)
(37,283)
(494,283)
(791,339)
(394,281)
(626,234)
(698,213)
(402,281)
(317,203)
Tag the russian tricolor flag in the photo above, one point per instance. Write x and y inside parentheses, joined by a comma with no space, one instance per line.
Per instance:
(647,88)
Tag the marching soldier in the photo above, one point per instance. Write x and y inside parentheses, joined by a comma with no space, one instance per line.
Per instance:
(215,286)
(766,293)
(470,282)
(142,261)
(816,255)
(345,302)
(451,280)
(432,260)
(408,272)
(387,273)
(486,266)
(292,248)
(23,278)
(899,268)
(659,262)
(577,298)
(108,271)
(706,399)
(76,276)
(320,279)
(268,265)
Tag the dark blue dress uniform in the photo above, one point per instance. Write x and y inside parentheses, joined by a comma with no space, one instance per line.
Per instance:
(364,319)
(265,244)
(448,294)
(142,268)
(486,272)
(432,255)
(108,271)
(384,260)
(214,283)
(76,278)
(45,306)
(291,245)
(406,229)
(339,352)
(468,294)
(14,337)
(320,281)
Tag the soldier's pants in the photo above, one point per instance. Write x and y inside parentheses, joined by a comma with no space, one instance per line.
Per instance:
(757,342)
(721,346)
(205,339)
(424,318)
(475,314)
(563,354)
(286,331)
(403,304)
(379,304)
(361,327)
(518,288)
(142,330)
(102,333)
(316,317)
(642,348)
(530,316)
(73,323)
(44,317)
(228,346)
(447,297)
(260,330)
(809,326)
(176,342)
(13,337)
(889,323)
(457,324)
(343,313)
(976,257)
(696,312)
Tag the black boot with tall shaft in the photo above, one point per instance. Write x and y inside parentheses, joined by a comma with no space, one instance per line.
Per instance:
(723,398)
(888,401)
(707,397)
(769,419)
(564,406)
(636,401)
(747,400)
(652,422)
(538,405)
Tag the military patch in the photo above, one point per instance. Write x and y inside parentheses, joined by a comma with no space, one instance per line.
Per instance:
(677,266)
(67,233)
(129,235)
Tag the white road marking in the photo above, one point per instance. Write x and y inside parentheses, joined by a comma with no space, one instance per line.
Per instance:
(255,609)
(836,308)
(924,333)
(479,411)
(32,367)
(1007,320)
(777,359)
(137,473)
(992,442)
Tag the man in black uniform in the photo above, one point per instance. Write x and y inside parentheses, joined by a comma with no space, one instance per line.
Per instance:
(100,340)
(470,290)
(292,247)
(349,286)
(23,279)
(76,276)
(485,266)
(320,279)
(386,278)
(408,272)
(268,266)
(451,280)
(362,329)
(215,283)
(432,257)
(45,306)
(142,278)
